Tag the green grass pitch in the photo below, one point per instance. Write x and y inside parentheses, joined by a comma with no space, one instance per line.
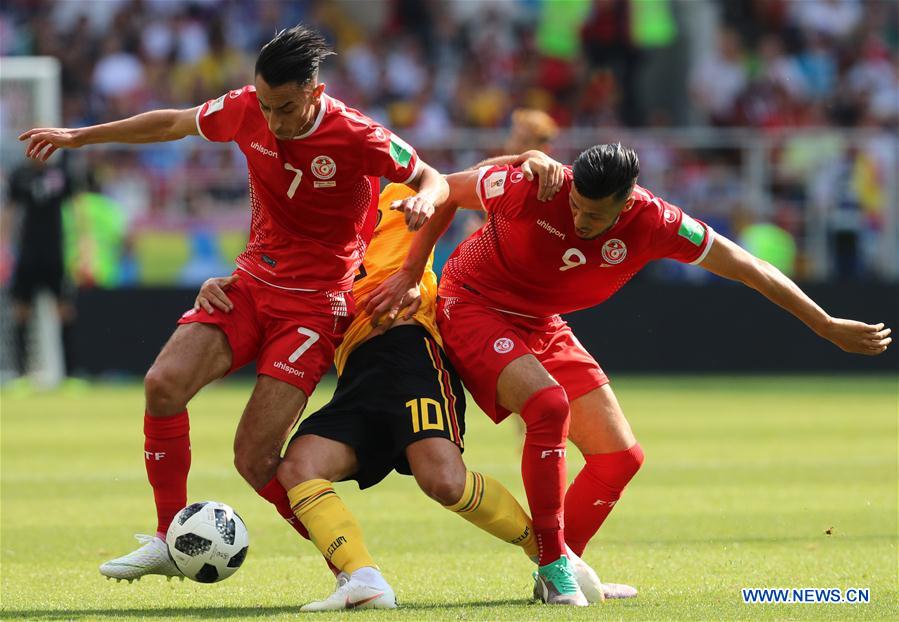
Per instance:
(744,476)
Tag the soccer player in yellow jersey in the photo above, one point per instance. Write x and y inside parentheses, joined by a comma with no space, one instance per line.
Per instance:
(399,405)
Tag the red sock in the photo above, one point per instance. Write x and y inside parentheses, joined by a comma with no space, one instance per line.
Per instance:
(595,491)
(167,457)
(546,415)
(274,493)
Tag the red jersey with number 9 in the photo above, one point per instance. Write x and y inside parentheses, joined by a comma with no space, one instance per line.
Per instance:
(527,258)
(314,198)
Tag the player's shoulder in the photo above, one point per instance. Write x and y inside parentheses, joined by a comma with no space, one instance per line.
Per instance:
(499,179)
(229,107)
(650,212)
(235,97)
(339,113)
(647,204)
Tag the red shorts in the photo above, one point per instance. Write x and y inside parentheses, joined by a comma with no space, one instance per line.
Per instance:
(480,342)
(291,334)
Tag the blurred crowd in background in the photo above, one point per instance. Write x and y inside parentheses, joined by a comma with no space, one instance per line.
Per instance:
(773,120)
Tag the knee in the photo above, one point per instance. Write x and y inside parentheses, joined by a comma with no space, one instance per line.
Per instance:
(547,414)
(257,470)
(616,469)
(163,390)
(444,487)
(296,469)
(633,460)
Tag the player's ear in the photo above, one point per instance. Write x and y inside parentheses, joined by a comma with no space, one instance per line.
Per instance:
(317,92)
(628,204)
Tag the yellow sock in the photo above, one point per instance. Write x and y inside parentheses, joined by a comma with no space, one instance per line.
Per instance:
(489,505)
(331,525)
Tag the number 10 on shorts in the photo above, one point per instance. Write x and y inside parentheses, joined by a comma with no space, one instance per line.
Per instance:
(421,414)
(311,338)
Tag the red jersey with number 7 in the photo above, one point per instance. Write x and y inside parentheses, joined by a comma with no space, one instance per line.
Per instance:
(314,198)
(527,258)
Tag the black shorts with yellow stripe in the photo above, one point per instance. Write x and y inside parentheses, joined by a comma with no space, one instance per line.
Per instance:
(396,389)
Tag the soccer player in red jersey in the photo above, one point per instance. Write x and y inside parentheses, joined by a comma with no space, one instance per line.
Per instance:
(502,292)
(313,168)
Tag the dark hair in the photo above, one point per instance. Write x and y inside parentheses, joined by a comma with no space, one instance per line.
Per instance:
(606,170)
(292,56)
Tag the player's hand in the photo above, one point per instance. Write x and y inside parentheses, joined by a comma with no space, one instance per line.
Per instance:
(417,209)
(550,173)
(43,141)
(857,337)
(212,294)
(397,295)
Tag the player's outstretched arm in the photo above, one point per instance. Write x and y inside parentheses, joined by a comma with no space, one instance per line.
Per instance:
(550,173)
(148,127)
(432,190)
(398,291)
(728,260)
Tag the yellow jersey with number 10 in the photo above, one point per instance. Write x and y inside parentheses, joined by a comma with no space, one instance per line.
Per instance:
(385,255)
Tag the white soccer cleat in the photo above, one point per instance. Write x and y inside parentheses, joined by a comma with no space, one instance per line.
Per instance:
(354,594)
(555,584)
(618,590)
(586,577)
(595,590)
(151,558)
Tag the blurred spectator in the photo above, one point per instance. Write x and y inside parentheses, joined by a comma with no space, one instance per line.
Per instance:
(94,228)
(717,81)
(531,129)
(833,18)
(430,67)
(118,73)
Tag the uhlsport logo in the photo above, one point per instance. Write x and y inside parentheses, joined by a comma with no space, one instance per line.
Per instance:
(545,225)
(614,251)
(293,371)
(503,345)
(263,150)
(323,167)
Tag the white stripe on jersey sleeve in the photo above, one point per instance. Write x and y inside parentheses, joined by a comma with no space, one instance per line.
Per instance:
(481,172)
(199,129)
(710,239)
(415,169)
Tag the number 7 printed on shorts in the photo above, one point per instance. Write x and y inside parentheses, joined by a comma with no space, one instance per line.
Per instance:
(311,338)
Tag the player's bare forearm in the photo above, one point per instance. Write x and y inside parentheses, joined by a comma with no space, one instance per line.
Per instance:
(400,290)
(430,185)
(728,260)
(147,127)
(425,240)
(514,160)
(431,189)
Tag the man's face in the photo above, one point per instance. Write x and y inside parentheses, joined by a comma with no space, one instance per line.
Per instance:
(288,109)
(593,217)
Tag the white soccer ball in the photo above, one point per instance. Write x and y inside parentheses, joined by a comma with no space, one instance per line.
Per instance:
(208,541)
